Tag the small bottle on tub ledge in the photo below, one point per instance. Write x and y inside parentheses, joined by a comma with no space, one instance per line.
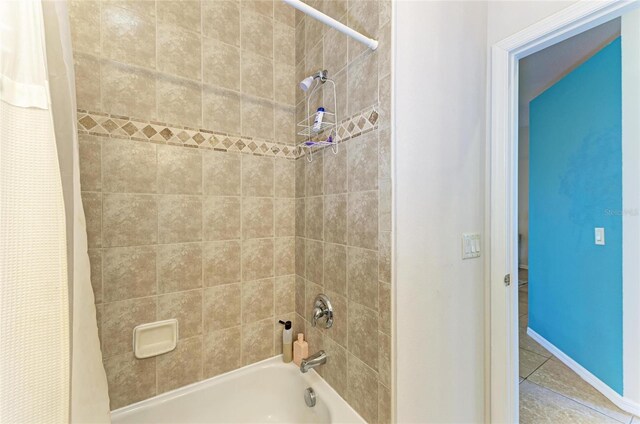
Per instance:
(300,349)
(287,339)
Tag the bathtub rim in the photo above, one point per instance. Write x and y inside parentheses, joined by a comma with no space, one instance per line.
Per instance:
(311,378)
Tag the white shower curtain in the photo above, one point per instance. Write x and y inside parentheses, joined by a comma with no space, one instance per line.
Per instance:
(50,362)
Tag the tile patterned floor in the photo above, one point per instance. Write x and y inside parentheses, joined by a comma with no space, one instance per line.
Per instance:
(550,392)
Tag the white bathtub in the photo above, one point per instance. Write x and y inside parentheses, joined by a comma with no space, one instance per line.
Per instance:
(266,392)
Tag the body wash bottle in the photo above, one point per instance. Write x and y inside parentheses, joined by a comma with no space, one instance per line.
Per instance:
(287,340)
(300,349)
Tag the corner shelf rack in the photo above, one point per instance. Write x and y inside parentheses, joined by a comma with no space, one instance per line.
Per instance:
(325,136)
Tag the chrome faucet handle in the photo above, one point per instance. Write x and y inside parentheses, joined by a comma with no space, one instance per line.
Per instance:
(322,308)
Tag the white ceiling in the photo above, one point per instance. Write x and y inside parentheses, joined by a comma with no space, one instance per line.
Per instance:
(541,70)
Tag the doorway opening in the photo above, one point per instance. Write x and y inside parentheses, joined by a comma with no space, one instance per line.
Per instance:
(519,353)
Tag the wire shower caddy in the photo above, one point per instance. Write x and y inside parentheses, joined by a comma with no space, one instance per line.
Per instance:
(325,135)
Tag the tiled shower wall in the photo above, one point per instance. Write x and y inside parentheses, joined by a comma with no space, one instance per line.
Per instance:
(343,209)
(203,236)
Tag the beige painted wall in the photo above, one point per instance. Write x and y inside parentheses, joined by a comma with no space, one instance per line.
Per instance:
(343,209)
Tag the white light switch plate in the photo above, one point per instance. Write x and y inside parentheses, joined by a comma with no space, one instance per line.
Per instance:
(599,236)
(470,245)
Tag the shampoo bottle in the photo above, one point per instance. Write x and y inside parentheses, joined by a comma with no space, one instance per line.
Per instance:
(300,349)
(287,340)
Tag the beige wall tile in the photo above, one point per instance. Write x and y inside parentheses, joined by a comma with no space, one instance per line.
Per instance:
(301,211)
(257,300)
(264,7)
(221,20)
(363,334)
(181,366)
(179,218)
(384,359)
(335,370)
(285,291)
(361,219)
(128,36)
(362,276)
(222,351)
(314,225)
(130,380)
(118,321)
(84,20)
(221,220)
(384,314)
(179,170)
(335,219)
(385,102)
(314,258)
(301,244)
(313,33)
(185,14)
(363,82)
(221,173)
(257,341)
(335,51)
(257,176)
(363,16)
(362,162)
(362,390)
(146,8)
(186,307)
(285,217)
(257,217)
(313,60)
(179,101)
(95,260)
(92,203)
(128,167)
(257,259)
(335,268)
(221,64)
(179,52)
(384,205)
(314,181)
(338,332)
(99,309)
(284,123)
(257,75)
(384,153)
(300,42)
(257,118)
(87,70)
(384,405)
(341,81)
(129,272)
(384,50)
(284,255)
(301,171)
(284,177)
(179,267)
(284,13)
(221,110)
(257,33)
(285,84)
(221,262)
(221,307)
(90,163)
(129,220)
(128,91)
(384,257)
(300,295)
(284,38)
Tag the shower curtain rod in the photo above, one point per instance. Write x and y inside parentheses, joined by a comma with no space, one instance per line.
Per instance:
(316,14)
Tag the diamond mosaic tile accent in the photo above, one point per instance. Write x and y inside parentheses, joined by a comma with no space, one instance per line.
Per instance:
(105,125)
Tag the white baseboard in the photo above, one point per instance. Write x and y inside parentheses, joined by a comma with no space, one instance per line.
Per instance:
(618,400)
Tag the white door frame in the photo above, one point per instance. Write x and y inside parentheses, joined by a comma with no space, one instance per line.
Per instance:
(502,196)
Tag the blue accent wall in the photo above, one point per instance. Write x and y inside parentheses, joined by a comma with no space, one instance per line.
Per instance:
(575,177)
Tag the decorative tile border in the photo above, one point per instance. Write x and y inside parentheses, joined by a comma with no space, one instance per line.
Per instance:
(123,127)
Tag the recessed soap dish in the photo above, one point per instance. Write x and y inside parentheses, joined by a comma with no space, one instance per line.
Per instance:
(155,338)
